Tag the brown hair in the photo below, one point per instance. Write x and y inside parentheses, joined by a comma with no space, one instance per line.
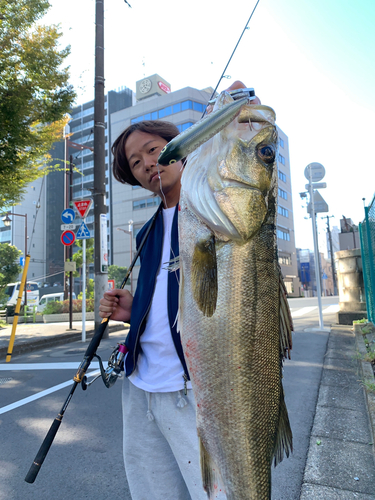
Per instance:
(121,167)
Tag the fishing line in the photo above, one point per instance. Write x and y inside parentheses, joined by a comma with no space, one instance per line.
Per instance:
(235,48)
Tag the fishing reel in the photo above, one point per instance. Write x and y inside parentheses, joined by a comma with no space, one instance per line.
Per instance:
(238,94)
(113,371)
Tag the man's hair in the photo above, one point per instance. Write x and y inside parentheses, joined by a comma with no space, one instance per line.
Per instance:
(121,167)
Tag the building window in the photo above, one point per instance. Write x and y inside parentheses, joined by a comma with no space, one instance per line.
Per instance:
(281,142)
(146,203)
(283,235)
(285,260)
(281,159)
(169,110)
(186,105)
(283,194)
(282,176)
(282,211)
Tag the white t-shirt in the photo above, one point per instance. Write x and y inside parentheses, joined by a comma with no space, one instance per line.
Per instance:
(159,368)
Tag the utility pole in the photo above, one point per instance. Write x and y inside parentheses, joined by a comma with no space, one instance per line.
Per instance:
(332,258)
(100,209)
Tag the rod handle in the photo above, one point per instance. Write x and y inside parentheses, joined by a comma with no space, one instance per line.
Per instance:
(43,450)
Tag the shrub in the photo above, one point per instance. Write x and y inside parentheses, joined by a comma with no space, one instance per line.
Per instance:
(53,308)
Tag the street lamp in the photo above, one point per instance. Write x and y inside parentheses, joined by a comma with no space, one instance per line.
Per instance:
(7,221)
(130,232)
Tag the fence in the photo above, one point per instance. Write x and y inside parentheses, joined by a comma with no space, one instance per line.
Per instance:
(367,237)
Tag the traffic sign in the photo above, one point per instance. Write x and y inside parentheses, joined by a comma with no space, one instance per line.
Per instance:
(83,207)
(320,205)
(22,261)
(68,216)
(83,232)
(317,172)
(324,277)
(65,227)
(68,238)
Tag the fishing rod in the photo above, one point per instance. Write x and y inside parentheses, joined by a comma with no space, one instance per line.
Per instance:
(234,50)
(110,375)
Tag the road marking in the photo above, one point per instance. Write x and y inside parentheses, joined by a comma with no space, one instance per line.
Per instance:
(41,394)
(45,366)
(334,308)
(303,311)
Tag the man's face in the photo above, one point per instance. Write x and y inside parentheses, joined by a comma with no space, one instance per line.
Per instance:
(142,151)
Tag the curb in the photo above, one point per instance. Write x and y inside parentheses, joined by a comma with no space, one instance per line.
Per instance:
(367,376)
(61,338)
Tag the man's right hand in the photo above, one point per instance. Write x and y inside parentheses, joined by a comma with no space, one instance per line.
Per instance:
(116,303)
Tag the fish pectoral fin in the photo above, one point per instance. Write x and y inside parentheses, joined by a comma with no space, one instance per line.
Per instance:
(286,322)
(204,276)
(209,471)
(284,437)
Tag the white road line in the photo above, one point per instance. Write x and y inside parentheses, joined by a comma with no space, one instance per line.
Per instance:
(45,366)
(333,308)
(303,311)
(41,394)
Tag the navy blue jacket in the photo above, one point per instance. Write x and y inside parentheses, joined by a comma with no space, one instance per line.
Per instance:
(150,257)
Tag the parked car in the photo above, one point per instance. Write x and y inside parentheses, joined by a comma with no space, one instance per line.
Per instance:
(51,297)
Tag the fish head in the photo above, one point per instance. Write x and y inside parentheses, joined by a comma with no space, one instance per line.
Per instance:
(235,174)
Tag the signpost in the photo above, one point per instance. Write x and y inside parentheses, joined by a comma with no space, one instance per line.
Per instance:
(314,172)
(68,215)
(83,207)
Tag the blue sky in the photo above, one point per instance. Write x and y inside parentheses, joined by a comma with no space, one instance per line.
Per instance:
(312,61)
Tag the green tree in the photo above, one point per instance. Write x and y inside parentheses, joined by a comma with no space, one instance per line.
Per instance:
(117,273)
(34,95)
(78,259)
(9,267)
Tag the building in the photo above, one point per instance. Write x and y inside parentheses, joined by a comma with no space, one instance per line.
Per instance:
(133,205)
(349,235)
(307,274)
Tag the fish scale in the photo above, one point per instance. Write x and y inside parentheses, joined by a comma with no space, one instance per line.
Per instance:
(230,313)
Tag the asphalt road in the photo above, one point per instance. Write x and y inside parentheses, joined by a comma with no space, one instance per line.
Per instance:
(85,460)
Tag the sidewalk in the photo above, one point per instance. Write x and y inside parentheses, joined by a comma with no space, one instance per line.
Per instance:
(33,336)
(340,462)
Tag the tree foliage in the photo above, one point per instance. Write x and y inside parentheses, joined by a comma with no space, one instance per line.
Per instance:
(117,273)
(9,266)
(78,256)
(34,95)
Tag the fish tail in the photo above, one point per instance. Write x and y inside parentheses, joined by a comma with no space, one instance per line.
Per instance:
(284,437)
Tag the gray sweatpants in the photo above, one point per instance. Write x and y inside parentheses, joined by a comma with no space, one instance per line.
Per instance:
(161,452)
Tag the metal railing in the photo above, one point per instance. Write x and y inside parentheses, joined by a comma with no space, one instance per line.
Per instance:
(367,237)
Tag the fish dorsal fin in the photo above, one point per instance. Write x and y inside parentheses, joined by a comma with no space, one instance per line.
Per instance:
(209,471)
(204,276)
(284,438)
(286,322)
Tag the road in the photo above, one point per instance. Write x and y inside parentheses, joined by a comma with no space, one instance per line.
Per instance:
(85,460)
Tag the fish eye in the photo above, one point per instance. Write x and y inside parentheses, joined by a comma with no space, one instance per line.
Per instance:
(172,161)
(266,153)
(162,151)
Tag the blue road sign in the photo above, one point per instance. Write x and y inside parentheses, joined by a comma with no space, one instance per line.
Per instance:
(305,272)
(83,232)
(324,277)
(68,238)
(22,261)
(68,215)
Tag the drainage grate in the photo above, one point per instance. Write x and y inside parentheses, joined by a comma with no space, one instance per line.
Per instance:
(5,380)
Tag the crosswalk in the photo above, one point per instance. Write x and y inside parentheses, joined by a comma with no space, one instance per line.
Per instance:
(301,311)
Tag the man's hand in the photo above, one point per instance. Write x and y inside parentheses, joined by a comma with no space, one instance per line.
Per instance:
(119,308)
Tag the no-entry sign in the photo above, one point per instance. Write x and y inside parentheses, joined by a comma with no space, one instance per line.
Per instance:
(68,238)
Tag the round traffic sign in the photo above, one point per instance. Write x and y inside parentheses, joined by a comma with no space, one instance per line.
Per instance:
(317,172)
(68,215)
(68,238)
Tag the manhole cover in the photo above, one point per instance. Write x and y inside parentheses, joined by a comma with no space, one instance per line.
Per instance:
(5,380)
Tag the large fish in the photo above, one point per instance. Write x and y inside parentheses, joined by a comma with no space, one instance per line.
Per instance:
(234,319)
